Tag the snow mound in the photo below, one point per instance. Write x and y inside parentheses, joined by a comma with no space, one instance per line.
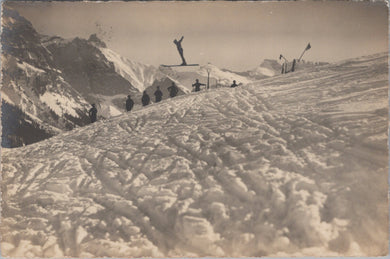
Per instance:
(264,71)
(225,77)
(268,67)
(280,167)
(185,76)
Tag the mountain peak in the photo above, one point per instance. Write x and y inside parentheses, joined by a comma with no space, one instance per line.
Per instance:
(98,42)
(11,17)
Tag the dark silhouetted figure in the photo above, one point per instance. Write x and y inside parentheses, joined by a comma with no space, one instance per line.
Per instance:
(145,99)
(158,94)
(180,49)
(129,103)
(234,84)
(92,113)
(173,90)
(197,85)
(293,65)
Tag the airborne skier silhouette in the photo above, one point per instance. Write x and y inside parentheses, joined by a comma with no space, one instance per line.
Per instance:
(180,49)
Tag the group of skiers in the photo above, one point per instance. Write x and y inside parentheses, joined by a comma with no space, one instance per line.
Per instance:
(197,85)
(173,91)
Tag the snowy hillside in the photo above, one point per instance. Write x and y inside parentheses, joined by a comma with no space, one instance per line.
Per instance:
(290,165)
(139,75)
(87,69)
(143,77)
(271,67)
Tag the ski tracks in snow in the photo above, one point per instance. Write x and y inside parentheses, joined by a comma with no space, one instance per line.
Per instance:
(278,167)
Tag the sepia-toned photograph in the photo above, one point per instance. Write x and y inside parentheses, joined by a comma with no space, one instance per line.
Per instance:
(194,129)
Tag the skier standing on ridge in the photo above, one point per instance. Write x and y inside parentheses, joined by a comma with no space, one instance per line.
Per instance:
(234,84)
(129,103)
(145,99)
(158,94)
(92,113)
(180,49)
(173,90)
(197,85)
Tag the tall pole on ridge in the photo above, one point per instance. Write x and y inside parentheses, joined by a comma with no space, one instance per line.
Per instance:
(307,48)
(208,69)
(284,65)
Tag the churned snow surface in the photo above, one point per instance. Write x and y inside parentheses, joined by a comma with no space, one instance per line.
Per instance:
(294,165)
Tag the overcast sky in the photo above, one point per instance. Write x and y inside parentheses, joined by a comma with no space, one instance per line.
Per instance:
(234,35)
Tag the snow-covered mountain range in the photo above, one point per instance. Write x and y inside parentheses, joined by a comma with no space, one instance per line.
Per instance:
(49,82)
(290,165)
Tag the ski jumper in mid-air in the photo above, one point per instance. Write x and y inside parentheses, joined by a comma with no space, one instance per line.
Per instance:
(180,49)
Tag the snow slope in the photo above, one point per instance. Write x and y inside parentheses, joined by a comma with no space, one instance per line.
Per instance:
(293,165)
(267,68)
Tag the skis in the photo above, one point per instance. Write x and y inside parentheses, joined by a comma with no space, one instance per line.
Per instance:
(188,65)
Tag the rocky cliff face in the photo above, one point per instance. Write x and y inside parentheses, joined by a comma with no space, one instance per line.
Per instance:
(86,68)
(34,91)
